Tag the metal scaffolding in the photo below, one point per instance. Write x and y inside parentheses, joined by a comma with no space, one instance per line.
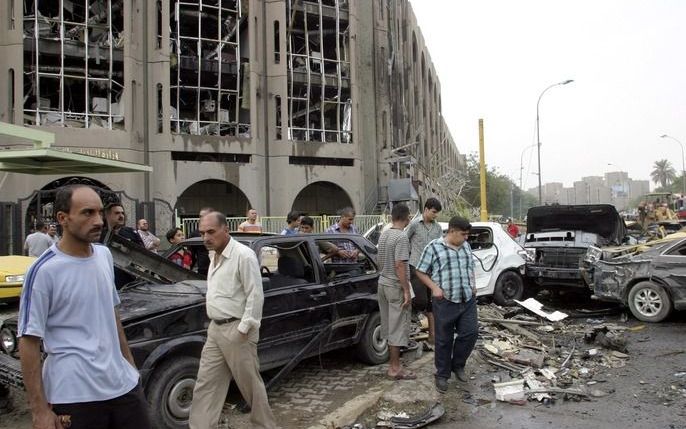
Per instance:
(74,63)
(209,75)
(319,101)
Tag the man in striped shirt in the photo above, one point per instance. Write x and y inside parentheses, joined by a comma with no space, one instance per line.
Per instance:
(447,268)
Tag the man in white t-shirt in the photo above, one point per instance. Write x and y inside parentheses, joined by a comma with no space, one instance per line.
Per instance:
(39,241)
(68,304)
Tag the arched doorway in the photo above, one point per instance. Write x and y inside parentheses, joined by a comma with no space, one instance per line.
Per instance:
(40,203)
(218,194)
(321,198)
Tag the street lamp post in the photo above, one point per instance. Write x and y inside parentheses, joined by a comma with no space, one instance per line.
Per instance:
(521,169)
(683,170)
(538,136)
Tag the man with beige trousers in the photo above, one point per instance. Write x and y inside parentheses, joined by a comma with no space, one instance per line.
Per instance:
(234,306)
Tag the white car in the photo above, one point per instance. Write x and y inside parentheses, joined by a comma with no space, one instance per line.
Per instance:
(499,261)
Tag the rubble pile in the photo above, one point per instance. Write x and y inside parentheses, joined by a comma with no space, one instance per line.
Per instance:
(534,358)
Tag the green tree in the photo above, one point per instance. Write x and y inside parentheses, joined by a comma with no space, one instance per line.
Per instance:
(499,188)
(663,173)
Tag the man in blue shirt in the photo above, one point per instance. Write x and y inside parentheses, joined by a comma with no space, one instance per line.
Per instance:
(447,268)
(293,221)
(345,225)
(69,304)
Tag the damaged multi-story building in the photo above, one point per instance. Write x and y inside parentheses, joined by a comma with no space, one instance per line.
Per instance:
(272,104)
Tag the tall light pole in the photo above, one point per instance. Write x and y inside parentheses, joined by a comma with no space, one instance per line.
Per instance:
(538,136)
(683,170)
(521,169)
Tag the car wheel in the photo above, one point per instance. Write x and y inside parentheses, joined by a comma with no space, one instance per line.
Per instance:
(372,349)
(508,287)
(649,302)
(170,392)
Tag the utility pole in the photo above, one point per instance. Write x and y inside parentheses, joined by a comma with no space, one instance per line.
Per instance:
(482,172)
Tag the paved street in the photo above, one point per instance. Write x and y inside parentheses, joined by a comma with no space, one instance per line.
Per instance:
(331,390)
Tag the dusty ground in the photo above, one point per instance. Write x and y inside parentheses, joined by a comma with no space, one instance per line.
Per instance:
(645,393)
(648,392)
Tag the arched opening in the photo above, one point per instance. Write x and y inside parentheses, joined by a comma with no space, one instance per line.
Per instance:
(218,194)
(321,198)
(41,202)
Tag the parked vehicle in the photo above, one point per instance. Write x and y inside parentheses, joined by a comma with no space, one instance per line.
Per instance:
(499,260)
(558,236)
(499,264)
(12,270)
(651,283)
(310,307)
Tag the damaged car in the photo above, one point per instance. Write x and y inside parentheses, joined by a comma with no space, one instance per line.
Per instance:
(312,305)
(558,237)
(651,283)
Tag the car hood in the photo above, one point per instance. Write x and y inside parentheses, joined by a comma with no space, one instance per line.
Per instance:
(601,219)
(14,265)
(145,299)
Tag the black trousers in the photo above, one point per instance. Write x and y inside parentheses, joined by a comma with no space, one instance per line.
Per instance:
(422,294)
(129,411)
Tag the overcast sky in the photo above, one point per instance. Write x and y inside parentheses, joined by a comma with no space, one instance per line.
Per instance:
(628,61)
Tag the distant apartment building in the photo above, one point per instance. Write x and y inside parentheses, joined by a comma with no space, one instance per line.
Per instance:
(275,105)
(615,188)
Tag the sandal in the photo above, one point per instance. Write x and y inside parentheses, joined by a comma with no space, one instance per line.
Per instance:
(403,375)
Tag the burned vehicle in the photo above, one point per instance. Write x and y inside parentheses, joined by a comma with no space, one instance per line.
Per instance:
(311,307)
(558,236)
(651,283)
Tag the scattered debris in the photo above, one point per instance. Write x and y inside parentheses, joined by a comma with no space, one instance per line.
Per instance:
(551,364)
(536,307)
(509,390)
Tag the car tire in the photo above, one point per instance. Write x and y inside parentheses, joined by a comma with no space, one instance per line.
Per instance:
(372,349)
(170,392)
(508,287)
(649,302)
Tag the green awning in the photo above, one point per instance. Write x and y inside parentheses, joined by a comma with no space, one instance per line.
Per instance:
(43,159)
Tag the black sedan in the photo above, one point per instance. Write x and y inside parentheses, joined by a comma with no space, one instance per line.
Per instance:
(313,304)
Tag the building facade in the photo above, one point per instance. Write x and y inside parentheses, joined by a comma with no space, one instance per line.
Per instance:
(270,104)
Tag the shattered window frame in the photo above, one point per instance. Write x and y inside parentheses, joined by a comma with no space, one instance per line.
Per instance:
(68,82)
(209,80)
(318,64)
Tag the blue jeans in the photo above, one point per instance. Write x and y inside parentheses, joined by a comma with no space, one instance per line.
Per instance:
(452,318)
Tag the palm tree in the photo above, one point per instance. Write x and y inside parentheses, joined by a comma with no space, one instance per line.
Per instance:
(663,173)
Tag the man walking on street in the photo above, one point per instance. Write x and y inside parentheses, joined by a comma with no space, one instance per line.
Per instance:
(394,290)
(447,268)
(69,304)
(39,241)
(234,306)
(420,232)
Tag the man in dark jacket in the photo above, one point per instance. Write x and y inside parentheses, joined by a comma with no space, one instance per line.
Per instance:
(202,256)
(115,221)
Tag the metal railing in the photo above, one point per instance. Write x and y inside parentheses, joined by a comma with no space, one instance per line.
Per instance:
(276,224)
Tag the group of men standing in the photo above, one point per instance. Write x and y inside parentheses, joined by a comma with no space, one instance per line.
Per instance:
(415,258)
(44,236)
(68,312)
(89,378)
